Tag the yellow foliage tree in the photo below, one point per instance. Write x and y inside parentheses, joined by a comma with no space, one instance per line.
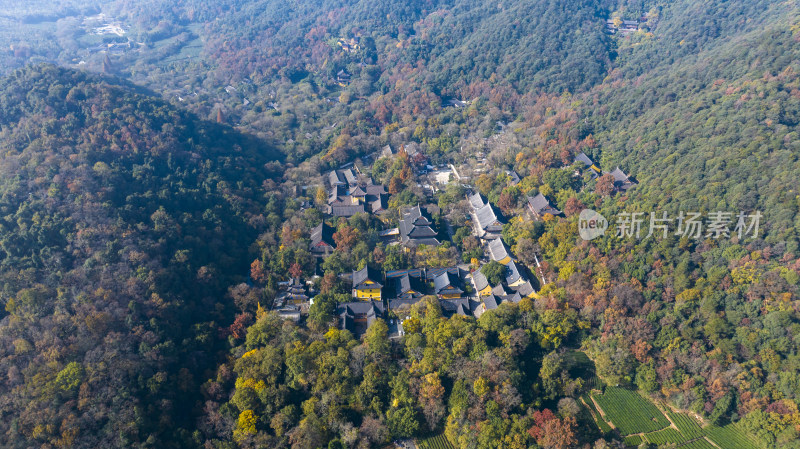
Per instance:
(432,386)
(321,197)
(480,387)
(247,422)
(412,325)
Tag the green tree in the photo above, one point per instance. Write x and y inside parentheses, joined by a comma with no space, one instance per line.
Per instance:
(550,375)
(377,338)
(403,422)
(646,379)
(721,408)
(495,272)
(70,377)
(320,314)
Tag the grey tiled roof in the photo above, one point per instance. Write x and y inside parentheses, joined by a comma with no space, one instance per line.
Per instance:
(525,289)
(619,175)
(322,234)
(334,178)
(540,206)
(491,302)
(350,176)
(408,286)
(582,157)
(358,191)
(498,250)
(379,203)
(513,176)
(397,303)
(476,200)
(458,306)
(353,314)
(512,273)
(501,290)
(342,210)
(422,241)
(480,280)
(487,217)
(446,283)
(364,274)
(336,193)
(621,180)
(416,226)
(376,189)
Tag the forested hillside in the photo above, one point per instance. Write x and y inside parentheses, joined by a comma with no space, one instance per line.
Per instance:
(122,223)
(551,46)
(129,224)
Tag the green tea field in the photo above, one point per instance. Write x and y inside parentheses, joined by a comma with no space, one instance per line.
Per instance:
(434,442)
(639,420)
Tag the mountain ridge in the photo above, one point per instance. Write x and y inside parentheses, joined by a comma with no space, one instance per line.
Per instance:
(123,223)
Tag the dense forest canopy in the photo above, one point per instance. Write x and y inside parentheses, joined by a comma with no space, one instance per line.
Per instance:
(123,221)
(143,239)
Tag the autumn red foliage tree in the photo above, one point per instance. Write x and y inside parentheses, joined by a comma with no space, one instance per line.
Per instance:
(552,432)
(573,206)
(605,185)
(257,271)
(346,238)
